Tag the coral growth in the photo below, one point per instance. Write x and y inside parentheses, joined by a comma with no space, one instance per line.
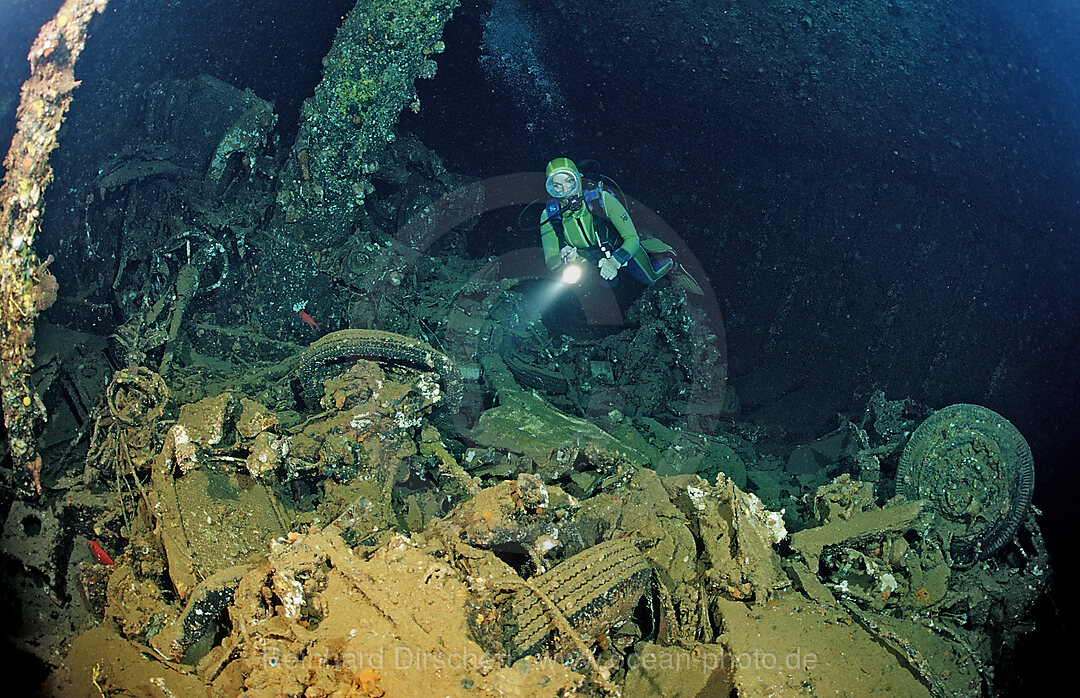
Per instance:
(45,291)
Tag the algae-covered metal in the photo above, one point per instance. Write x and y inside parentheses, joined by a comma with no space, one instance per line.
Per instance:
(380,50)
(45,100)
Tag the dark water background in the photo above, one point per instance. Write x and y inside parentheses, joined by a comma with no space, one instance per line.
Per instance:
(885,195)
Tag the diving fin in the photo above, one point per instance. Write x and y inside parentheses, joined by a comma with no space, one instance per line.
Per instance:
(681,278)
(679,275)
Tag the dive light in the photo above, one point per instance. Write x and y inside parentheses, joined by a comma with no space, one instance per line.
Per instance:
(571,273)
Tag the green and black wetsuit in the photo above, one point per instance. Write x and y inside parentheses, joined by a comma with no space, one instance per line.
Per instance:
(589,227)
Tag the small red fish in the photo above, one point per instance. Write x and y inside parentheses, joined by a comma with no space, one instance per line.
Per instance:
(99,554)
(309,321)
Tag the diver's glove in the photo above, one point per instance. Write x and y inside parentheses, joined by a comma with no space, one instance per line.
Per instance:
(568,254)
(609,267)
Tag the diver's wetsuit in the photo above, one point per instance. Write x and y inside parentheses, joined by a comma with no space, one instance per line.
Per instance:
(582,230)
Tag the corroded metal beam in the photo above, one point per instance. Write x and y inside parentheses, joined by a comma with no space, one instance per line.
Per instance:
(25,286)
(369,77)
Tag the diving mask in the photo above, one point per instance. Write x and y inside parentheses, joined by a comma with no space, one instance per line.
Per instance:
(564,183)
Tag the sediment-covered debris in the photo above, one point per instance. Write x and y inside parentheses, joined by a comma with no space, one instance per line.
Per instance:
(296,547)
(268,551)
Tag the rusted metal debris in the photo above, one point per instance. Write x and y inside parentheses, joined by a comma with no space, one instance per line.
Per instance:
(24,283)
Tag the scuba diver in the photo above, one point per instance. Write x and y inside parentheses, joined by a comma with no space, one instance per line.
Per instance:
(594,225)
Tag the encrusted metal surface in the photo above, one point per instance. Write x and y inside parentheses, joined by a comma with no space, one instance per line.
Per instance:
(46,96)
(346,346)
(977,470)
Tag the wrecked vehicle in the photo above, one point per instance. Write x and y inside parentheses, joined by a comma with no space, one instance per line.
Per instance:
(444,495)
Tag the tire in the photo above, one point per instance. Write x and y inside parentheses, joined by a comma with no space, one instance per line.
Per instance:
(975,469)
